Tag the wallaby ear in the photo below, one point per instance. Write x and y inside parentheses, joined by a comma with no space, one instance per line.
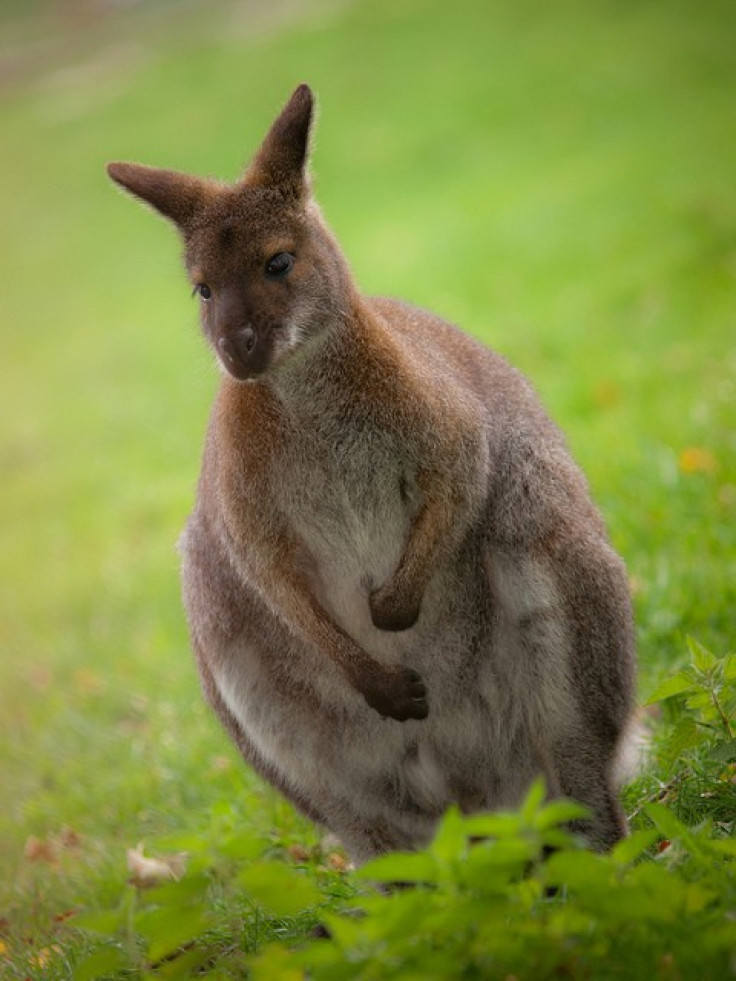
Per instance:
(281,160)
(176,196)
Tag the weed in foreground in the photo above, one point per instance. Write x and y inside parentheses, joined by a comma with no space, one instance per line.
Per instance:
(526,899)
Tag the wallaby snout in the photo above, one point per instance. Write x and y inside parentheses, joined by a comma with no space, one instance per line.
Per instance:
(247,340)
(240,352)
(241,337)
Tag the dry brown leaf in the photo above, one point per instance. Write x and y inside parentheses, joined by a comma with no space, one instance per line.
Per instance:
(148,872)
(66,915)
(44,955)
(68,838)
(40,849)
(88,682)
(49,849)
(298,853)
(40,677)
(220,764)
(696,459)
(607,393)
(337,862)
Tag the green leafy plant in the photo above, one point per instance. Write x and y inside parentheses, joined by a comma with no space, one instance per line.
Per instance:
(529,901)
(694,749)
(229,900)
(509,894)
(704,693)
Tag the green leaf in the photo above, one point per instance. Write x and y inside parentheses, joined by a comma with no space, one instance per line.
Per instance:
(559,839)
(700,700)
(346,932)
(676,684)
(697,897)
(652,894)
(515,851)
(533,801)
(275,963)
(701,657)
(400,867)
(192,844)
(723,752)
(107,960)
(722,937)
(282,891)
(683,737)
(245,846)
(502,824)
(559,812)
(451,841)
(529,892)
(185,892)
(583,871)
(633,847)
(493,862)
(105,922)
(394,918)
(667,824)
(167,929)
(186,965)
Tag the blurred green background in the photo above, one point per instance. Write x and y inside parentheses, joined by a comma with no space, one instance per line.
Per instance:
(556,177)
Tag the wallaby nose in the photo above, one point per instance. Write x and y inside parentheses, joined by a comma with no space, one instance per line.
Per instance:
(237,350)
(245,341)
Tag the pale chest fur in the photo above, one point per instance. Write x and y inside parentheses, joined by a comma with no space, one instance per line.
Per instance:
(349,502)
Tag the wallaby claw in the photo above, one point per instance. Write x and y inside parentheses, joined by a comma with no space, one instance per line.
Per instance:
(399,694)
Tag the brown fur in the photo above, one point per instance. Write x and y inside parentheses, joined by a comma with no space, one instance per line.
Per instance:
(398,590)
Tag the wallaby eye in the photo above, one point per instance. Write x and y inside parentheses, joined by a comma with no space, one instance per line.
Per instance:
(279,264)
(204,291)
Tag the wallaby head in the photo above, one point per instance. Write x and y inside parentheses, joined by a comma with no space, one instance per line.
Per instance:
(267,271)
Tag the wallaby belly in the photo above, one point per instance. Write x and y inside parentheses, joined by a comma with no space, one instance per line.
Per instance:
(362,772)
(367,775)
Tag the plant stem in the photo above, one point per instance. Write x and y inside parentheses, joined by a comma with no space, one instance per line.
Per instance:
(130,934)
(663,793)
(722,715)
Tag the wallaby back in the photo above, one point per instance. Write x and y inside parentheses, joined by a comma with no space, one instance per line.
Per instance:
(398,590)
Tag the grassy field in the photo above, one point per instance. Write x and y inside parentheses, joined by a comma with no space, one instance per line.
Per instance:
(556,178)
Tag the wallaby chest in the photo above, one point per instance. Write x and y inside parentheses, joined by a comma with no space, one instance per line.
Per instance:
(349,499)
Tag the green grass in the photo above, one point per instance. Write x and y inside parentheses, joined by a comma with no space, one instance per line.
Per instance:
(557,178)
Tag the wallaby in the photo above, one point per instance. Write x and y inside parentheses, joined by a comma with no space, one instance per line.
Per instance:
(398,590)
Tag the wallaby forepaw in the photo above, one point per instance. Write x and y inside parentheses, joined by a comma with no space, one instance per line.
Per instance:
(389,612)
(401,695)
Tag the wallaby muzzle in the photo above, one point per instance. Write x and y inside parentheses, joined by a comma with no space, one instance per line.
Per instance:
(244,352)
